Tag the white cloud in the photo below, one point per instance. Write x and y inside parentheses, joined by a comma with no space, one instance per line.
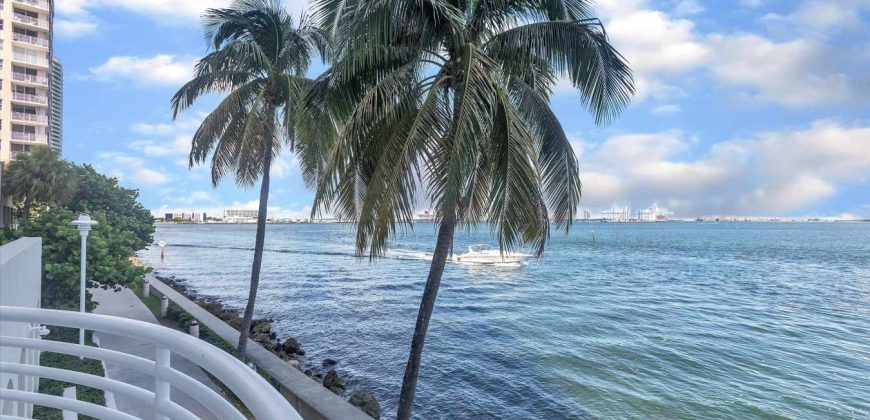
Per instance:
(655,44)
(134,169)
(173,9)
(162,11)
(162,69)
(780,171)
(666,109)
(793,73)
(687,7)
(74,28)
(819,16)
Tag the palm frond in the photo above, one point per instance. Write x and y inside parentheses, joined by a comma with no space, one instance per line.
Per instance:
(577,50)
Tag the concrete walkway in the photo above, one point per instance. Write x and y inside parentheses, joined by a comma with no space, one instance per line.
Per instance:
(126,304)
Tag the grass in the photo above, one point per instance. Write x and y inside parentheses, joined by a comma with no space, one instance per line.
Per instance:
(67,362)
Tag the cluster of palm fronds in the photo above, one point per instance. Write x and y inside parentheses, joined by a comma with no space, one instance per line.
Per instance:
(435,103)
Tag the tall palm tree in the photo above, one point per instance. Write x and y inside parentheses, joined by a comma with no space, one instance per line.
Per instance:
(259,60)
(39,176)
(452,97)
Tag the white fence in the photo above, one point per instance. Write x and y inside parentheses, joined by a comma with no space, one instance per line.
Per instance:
(20,285)
(258,396)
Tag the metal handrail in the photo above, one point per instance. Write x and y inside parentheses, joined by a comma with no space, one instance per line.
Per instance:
(264,401)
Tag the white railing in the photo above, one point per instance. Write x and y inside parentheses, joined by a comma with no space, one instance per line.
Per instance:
(24,77)
(30,20)
(26,116)
(28,58)
(264,401)
(42,4)
(29,97)
(42,42)
(20,135)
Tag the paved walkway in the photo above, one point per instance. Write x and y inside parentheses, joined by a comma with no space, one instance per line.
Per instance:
(126,304)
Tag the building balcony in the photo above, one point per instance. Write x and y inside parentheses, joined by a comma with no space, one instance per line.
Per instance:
(31,137)
(39,4)
(30,20)
(263,400)
(29,78)
(27,97)
(34,118)
(32,40)
(29,59)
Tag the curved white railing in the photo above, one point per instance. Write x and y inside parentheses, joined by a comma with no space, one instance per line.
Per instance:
(264,401)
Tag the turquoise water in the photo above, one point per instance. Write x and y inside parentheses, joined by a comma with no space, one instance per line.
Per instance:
(669,320)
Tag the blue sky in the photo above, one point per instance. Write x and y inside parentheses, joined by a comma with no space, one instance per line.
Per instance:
(750,107)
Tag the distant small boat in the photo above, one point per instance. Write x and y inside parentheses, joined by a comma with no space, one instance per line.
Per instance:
(485,254)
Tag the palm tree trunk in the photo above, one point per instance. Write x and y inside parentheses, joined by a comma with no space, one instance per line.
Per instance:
(258,255)
(443,247)
(25,213)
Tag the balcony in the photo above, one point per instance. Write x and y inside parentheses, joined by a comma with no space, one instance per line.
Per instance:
(263,400)
(27,97)
(29,59)
(25,116)
(30,20)
(32,137)
(29,78)
(32,40)
(39,4)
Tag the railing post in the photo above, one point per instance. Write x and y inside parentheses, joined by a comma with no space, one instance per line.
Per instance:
(164,306)
(146,288)
(161,386)
(194,328)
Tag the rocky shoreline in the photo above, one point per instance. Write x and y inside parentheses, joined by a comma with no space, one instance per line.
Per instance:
(289,349)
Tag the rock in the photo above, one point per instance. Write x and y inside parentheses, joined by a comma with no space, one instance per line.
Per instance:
(261,338)
(366,402)
(329,362)
(227,315)
(261,326)
(294,364)
(308,373)
(290,345)
(300,352)
(332,382)
(235,323)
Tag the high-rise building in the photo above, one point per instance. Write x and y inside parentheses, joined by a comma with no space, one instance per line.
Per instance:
(30,78)
(55,106)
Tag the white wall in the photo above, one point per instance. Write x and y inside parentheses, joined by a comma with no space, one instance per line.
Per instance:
(20,285)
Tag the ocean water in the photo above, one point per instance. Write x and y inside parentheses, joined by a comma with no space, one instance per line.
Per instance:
(668,320)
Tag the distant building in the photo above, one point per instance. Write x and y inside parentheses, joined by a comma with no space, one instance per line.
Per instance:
(55,106)
(195,217)
(240,214)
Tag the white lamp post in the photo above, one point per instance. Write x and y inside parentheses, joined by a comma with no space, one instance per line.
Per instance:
(83,223)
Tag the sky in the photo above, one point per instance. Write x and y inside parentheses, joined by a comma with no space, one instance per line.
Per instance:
(743,107)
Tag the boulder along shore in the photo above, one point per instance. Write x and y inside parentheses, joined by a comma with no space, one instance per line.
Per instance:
(288,349)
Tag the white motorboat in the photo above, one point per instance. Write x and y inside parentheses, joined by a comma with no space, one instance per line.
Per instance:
(485,254)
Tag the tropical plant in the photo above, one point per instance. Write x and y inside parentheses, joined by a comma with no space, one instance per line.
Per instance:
(259,60)
(452,97)
(39,176)
(124,226)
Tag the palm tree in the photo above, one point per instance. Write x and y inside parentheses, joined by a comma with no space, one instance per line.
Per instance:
(39,176)
(259,60)
(452,97)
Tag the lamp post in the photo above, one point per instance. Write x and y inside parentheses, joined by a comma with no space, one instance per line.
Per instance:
(83,224)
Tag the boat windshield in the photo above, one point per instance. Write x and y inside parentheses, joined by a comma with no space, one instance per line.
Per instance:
(480,248)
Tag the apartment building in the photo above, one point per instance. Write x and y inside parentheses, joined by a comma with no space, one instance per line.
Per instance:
(31,79)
